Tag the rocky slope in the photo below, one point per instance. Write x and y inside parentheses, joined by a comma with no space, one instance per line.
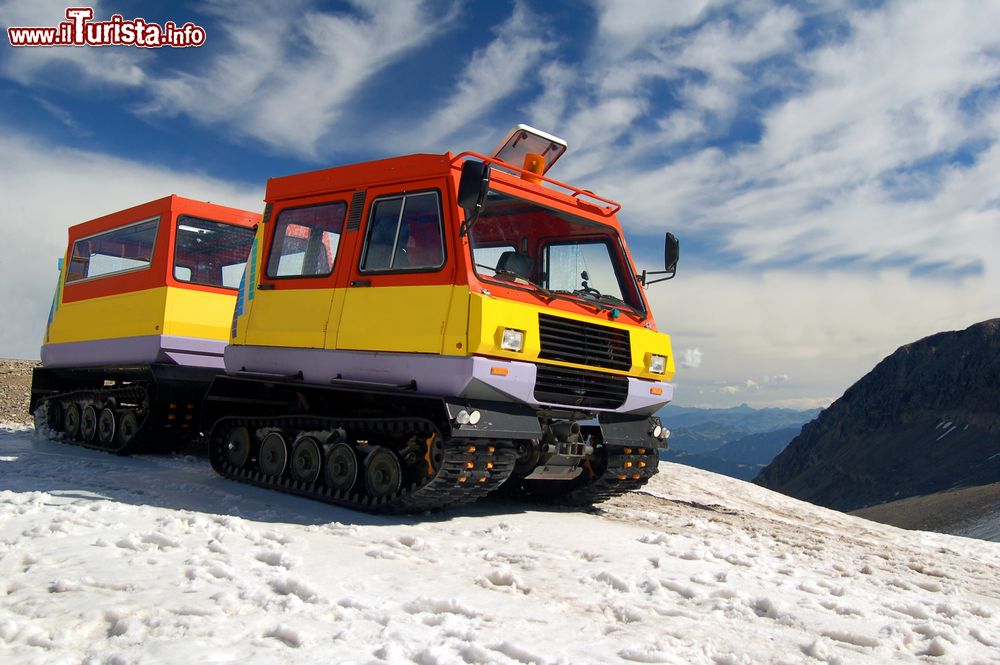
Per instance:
(966,511)
(15,387)
(926,419)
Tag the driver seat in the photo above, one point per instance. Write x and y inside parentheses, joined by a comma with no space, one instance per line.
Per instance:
(514,263)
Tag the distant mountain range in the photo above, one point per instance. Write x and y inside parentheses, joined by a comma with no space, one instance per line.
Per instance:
(736,442)
(926,419)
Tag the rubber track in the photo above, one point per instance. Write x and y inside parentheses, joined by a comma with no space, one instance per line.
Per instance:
(607,484)
(129,395)
(439,491)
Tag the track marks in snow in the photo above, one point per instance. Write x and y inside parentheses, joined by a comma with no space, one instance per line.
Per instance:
(291,586)
(276,558)
(503,578)
(439,606)
(808,584)
(146,541)
(286,635)
(613,581)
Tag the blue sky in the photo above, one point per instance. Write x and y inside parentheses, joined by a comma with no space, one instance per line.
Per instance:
(832,168)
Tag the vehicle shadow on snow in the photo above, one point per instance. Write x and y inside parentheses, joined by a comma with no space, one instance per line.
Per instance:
(31,463)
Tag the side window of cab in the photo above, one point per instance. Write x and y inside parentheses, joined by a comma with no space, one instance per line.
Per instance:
(404,234)
(306,240)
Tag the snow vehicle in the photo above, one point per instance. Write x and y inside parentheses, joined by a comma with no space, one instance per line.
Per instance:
(139,323)
(409,334)
(415,332)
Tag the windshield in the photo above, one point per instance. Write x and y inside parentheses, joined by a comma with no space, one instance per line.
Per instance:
(553,252)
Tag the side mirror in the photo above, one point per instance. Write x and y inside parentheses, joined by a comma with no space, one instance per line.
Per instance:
(472,189)
(671,253)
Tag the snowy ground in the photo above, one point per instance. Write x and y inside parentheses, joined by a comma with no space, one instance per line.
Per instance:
(157,560)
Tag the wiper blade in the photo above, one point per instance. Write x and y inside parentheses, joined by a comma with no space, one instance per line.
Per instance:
(611,299)
(575,296)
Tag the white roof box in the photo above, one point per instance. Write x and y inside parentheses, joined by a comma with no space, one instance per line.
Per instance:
(523,140)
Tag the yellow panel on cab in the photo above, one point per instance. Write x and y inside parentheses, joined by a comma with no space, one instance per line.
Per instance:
(489,316)
(194,313)
(289,317)
(123,315)
(401,318)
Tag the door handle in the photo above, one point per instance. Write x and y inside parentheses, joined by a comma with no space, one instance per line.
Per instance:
(361,282)
(265,287)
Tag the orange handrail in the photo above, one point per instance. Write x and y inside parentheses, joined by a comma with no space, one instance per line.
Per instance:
(608,211)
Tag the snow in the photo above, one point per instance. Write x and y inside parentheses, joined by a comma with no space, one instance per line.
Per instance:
(157,560)
(949,428)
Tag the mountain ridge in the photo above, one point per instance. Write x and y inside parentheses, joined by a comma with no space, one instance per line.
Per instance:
(737,441)
(925,419)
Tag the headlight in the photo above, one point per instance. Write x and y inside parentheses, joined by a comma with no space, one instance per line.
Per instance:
(463,417)
(657,364)
(513,340)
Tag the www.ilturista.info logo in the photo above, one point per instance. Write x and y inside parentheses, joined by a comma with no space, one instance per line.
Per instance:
(81,30)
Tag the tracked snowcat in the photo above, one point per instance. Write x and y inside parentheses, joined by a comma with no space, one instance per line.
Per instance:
(407,334)
(139,323)
(416,332)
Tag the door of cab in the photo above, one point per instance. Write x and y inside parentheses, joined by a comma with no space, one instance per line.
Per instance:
(295,304)
(401,281)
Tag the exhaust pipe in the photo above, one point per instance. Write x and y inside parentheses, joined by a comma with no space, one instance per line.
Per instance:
(566,431)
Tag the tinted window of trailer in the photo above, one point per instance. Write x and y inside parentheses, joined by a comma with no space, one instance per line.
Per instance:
(113,252)
(210,253)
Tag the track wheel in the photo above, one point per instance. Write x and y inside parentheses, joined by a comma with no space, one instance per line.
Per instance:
(341,468)
(434,456)
(383,474)
(88,423)
(528,455)
(128,427)
(71,420)
(106,427)
(238,446)
(307,460)
(53,416)
(273,454)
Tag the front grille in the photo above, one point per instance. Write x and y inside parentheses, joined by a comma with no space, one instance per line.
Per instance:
(580,387)
(582,343)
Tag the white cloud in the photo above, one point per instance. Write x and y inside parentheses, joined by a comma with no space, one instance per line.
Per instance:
(618,119)
(66,67)
(748,385)
(691,358)
(493,73)
(827,330)
(801,403)
(549,108)
(845,167)
(287,73)
(719,51)
(629,24)
(50,188)
(63,116)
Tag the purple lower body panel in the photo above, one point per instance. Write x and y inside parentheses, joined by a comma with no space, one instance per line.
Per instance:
(472,377)
(143,350)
